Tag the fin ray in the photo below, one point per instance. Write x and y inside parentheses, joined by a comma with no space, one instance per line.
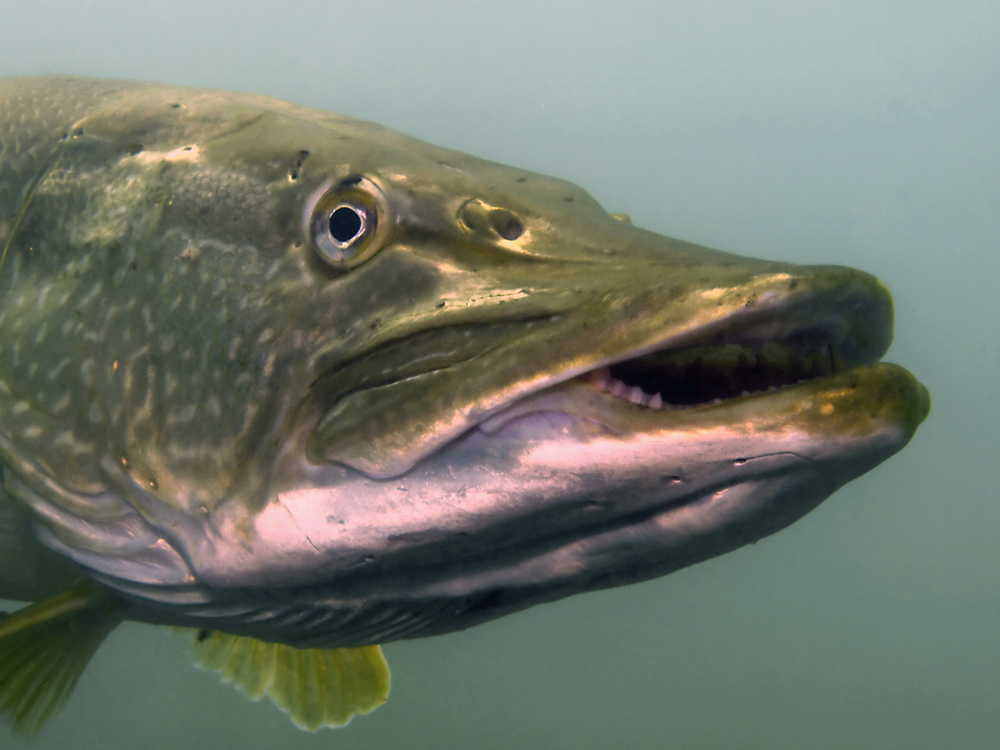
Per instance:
(45,647)
(316,687)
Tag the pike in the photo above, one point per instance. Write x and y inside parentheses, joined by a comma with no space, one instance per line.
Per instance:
(307,385)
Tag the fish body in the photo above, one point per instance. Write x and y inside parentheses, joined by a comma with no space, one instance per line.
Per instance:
(283,374)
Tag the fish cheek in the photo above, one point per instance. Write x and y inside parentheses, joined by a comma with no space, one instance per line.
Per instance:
(376,294)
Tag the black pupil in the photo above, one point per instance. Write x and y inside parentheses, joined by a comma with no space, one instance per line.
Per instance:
(345,223)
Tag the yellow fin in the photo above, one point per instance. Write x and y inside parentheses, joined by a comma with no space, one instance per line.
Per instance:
(45,646)
(317,687)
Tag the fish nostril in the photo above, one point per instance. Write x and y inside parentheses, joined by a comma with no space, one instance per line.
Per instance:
(293,173)
(473,215)
(483,218)
(505,223)
(513,230)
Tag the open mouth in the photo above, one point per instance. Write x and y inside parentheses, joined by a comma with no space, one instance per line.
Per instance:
(710,373)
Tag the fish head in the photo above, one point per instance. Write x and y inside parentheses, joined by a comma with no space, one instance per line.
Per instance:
(301,377)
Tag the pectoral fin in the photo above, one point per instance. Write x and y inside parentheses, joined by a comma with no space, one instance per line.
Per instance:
(317,687)
(45,646)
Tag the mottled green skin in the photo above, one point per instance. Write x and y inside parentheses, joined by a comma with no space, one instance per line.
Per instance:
(169,335)
(155,313)
(169,315)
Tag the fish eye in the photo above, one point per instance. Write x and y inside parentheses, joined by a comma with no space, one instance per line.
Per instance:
(347,222)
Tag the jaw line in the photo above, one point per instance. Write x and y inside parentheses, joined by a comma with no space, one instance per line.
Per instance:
(495,523)
(749,487)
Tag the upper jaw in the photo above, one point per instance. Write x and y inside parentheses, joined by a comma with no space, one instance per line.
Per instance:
(803,346)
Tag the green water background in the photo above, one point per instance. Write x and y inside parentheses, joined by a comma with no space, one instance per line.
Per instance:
(860,133)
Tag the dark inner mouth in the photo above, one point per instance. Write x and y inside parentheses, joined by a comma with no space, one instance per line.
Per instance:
(702,374)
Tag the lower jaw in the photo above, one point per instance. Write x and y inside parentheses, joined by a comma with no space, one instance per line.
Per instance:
(626,550)
(856,402)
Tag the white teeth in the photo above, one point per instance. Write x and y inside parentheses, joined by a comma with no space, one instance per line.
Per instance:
(601,377)
(603,380)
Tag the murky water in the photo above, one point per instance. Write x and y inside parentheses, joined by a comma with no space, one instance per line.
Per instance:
(850,132)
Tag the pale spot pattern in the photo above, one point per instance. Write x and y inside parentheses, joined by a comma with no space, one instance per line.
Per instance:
(151,309)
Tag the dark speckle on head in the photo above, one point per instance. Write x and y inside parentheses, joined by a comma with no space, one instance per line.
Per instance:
(300,158)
